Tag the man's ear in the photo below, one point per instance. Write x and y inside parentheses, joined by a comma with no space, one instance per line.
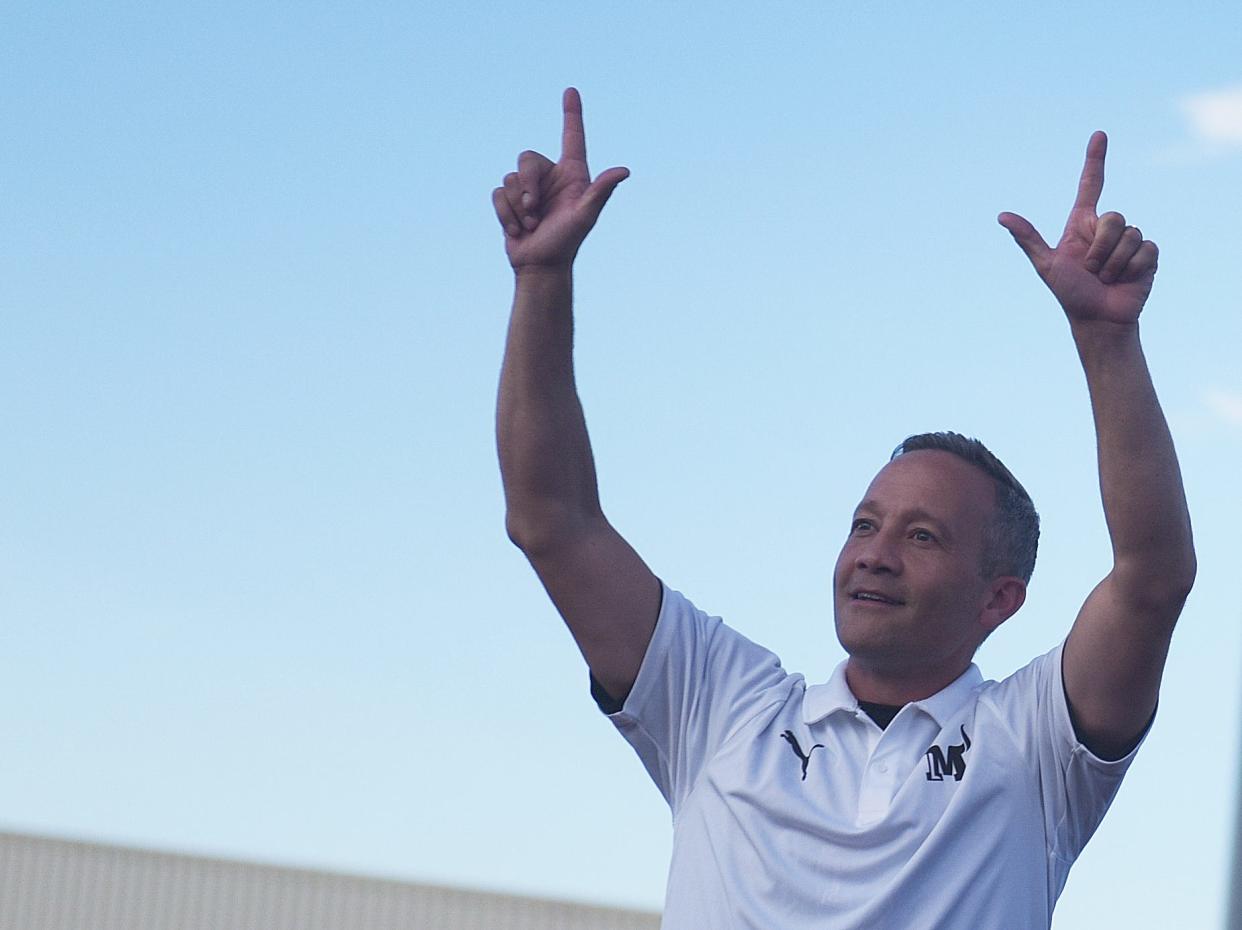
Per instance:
(1003,598)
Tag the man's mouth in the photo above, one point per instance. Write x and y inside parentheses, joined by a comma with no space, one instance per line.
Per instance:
(875,597)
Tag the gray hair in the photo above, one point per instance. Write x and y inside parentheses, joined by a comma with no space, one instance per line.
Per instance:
(1011,539)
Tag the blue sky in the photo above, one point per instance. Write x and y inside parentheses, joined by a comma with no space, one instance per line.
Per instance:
(258,601)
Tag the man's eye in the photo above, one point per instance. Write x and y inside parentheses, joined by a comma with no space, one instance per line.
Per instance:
(923,536)
(860,526)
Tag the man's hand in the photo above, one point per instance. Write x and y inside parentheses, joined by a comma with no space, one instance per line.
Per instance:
(547,209)
(1101,270)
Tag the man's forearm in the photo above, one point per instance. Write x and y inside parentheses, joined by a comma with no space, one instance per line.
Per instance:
(1140,481)
(545,454)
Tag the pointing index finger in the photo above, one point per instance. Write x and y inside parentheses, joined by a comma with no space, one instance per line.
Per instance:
(573,136)
(1091,183)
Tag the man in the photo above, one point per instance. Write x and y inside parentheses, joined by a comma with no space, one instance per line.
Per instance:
(906,791)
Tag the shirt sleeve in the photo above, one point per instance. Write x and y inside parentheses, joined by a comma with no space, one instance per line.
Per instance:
(699,681)
(1077,787)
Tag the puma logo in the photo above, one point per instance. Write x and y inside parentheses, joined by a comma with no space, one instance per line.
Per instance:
(792,740)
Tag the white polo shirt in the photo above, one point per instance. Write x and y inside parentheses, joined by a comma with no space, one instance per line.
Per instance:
(792,809)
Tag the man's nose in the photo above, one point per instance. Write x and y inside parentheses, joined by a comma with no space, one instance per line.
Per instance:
(878,553)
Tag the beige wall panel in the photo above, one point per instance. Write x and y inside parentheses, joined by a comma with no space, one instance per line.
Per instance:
(50,884)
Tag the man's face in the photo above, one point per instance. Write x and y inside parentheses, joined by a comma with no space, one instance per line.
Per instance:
(908,585)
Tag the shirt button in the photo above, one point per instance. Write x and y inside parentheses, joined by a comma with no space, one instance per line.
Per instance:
(883,767)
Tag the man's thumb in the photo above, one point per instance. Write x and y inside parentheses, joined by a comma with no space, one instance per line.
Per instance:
(601,189)
(1029,240)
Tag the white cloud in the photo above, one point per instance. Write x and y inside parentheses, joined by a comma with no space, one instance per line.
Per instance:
(1215,117)
(1225,405)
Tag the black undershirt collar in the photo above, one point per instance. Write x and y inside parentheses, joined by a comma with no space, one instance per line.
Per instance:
(882,714)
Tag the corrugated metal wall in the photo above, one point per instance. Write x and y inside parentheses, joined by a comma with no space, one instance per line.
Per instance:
(48,884)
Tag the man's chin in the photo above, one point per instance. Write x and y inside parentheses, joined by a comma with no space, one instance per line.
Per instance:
(864,641)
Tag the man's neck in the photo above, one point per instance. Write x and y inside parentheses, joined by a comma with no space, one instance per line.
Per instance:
(887,686)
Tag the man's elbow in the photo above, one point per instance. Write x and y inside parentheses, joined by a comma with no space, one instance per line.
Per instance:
(538,531)
(1181,576)
(1159,585)
(525,533)
(1189,572)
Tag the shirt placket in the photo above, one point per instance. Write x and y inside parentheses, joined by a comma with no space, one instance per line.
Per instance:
(889,761)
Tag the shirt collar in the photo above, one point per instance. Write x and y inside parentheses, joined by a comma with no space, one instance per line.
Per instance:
(835,694)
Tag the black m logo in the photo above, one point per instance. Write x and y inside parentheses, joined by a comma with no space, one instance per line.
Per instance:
(938,765)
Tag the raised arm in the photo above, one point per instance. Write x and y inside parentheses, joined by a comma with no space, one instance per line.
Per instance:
(1101,271)
(606,594)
